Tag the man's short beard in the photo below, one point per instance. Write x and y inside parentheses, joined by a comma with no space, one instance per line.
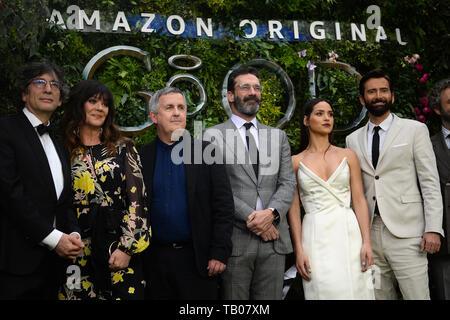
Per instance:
(445,116)
(247,109)
(377,111)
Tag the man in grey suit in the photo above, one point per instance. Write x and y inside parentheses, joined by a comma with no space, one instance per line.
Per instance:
(439,100)
(258,162)
(401,185)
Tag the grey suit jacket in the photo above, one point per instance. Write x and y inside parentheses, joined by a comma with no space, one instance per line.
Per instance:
(443,164)
(405,184)
(275,184)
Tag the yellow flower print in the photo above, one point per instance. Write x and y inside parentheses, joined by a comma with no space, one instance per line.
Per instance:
(87,251)
(106,167)
(141,245)
(82,262)
(133,190)
(130,271)
(61,296)
(86,285)
(84,183)
(103,178)
(132,209)
(131,290)
(126,218)
(98,164)
(118,277)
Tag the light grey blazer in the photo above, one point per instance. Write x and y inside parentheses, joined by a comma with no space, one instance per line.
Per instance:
(405,183)
(275,184)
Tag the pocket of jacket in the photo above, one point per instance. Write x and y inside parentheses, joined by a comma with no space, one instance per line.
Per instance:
(408,198)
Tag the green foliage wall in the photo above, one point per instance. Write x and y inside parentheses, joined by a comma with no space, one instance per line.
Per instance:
(423,24)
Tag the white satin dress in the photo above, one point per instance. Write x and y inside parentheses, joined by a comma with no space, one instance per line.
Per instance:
(331,238)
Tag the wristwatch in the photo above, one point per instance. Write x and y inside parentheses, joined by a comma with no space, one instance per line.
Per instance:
(276,216)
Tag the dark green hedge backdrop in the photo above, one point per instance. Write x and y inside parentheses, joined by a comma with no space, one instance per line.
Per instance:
(24,36)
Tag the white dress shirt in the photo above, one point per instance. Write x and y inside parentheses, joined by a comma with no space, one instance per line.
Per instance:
(57,174)
(385,125)
(446,134)
(239,123)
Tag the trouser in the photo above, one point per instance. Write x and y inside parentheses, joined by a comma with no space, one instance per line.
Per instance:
(172,274)
(439,272)
(398,260)
(256,275)
(42,284)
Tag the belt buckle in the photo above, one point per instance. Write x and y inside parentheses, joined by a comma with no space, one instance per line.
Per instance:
(177,245)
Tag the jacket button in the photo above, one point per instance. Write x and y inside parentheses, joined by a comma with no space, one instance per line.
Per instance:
(374,198)
(377,177)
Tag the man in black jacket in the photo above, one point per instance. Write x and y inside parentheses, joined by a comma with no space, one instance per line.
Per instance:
(191,207)
(439,264)
(35,186)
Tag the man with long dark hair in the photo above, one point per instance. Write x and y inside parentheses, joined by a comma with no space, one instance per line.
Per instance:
(35,206)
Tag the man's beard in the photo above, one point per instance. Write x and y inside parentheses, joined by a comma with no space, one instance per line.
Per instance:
(249,109)
(378,111)
(445,116)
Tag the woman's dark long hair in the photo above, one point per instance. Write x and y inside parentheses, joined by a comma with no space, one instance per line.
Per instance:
(304,131)
(74,116)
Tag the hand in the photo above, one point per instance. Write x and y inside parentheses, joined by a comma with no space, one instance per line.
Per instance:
(69,246)
(431,242)
(259,221)
(303,266)
(119,260)
(215,267)
(367,258)
(270,234)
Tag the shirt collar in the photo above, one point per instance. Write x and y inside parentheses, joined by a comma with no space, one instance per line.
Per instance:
(385,125)
(32,118)
(239,122)
(445,132)
(166,146)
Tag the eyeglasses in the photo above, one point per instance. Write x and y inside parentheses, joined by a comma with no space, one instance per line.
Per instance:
(246,87)
(42,83)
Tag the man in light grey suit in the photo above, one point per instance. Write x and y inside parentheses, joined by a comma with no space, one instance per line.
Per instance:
(258,162)
(401,185)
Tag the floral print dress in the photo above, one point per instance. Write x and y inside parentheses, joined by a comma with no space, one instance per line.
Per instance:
(117,182)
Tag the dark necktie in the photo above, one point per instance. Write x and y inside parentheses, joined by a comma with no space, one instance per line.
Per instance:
(448,138)
(252,148)
(375,146)
(41,129)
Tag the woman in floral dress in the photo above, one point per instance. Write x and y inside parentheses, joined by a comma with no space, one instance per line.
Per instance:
(109,199)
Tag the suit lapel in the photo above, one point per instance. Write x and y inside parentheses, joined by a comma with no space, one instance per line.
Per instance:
(40,160)
(65,164)
(232,147)
(148,164)
(190,174)
(363,145)
(444,155)
(392,133)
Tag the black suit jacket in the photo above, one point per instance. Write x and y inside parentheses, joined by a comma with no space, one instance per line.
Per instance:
(443,163)
(28,205)
(210,205)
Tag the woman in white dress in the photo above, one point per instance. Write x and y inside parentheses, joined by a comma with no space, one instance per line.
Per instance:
(332,244)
